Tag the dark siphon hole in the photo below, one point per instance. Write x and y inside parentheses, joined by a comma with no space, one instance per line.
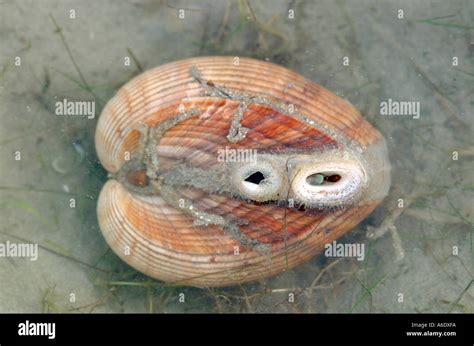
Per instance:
(332,178)
(255,178)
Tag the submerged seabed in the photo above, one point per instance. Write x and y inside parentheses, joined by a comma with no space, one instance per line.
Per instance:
(51,178)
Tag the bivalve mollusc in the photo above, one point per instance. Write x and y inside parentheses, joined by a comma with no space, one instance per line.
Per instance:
(227,170)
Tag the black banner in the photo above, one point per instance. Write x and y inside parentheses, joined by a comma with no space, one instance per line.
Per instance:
(396,329)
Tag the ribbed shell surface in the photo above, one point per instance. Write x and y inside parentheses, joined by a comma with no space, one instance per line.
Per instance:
(163,241)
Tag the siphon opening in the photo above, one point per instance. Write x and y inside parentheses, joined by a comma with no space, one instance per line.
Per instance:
(321,178)
(255,178)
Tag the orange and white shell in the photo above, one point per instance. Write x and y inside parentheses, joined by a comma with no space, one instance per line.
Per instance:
(224,171)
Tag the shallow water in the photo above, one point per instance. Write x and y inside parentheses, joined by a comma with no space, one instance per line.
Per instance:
(427,56)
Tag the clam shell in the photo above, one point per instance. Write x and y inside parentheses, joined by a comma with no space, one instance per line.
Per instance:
(286,115)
